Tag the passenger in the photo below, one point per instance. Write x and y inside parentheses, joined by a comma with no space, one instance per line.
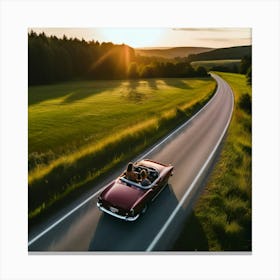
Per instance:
(144,180)
(130,174)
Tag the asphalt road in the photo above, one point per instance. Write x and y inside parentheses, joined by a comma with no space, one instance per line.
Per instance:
(191,150)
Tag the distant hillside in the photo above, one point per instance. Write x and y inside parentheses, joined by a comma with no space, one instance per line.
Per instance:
(172,52)
(223,53)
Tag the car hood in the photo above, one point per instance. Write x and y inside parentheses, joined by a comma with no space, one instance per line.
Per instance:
(122,196)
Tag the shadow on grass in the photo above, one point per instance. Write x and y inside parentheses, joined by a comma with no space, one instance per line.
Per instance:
(72,91)
(177,83)
(40,94)
(84,93)
(80,94)
(192,237)
(133,94)
(152,84)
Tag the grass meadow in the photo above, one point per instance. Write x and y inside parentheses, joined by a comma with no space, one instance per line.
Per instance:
(79,131)
(221,218)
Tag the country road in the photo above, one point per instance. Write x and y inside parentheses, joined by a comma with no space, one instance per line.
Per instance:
(191,149)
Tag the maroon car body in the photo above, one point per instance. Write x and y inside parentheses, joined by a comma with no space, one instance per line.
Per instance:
(126,199)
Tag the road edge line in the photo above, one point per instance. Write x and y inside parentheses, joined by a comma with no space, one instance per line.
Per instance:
(64,217)
(173,214)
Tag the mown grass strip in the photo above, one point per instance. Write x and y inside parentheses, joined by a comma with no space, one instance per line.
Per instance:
(52,183)
(221,218)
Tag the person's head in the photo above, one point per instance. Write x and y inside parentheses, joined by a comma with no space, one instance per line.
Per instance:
(143,174)
(129,167)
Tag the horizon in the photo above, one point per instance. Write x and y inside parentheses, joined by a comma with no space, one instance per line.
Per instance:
(166,48)
(157,38)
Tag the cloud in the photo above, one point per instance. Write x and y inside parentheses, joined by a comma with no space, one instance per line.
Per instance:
(217,39)
(222,29)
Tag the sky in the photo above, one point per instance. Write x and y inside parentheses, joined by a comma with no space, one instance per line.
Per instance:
(158,37)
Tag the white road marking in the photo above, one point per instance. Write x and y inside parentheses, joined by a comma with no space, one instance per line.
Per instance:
(64,217)
(143,156)
(179,128)
(187,193)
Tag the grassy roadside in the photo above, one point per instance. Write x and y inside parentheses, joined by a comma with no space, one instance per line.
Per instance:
(221,218)
(53,179)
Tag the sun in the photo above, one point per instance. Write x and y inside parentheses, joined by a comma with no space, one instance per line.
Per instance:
(134,37)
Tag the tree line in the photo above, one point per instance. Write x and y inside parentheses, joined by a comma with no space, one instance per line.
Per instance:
(52,59)
(245,68)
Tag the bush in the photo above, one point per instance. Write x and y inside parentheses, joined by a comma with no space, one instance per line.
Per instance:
(249,76)
(201,72)
(245,103)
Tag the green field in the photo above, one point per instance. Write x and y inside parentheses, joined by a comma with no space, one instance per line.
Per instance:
(208,64)
(221,219)
(78,131)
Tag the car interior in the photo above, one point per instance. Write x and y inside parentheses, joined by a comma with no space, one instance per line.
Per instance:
(152,173)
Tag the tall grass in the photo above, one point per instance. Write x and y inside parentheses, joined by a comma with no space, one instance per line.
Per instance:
(54,179)
(224,210)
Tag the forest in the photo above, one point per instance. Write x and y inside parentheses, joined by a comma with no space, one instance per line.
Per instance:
(53,60)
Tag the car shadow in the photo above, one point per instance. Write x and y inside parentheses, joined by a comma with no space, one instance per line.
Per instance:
(112,234)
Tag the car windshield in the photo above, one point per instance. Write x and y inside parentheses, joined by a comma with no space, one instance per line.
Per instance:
(123,179)
(152,176)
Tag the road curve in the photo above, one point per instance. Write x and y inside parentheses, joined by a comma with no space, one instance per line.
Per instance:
(191,149)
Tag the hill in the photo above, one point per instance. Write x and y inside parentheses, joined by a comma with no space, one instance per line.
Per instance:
(223,53)
(171,53)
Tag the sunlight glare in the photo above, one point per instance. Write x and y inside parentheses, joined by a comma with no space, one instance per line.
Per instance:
(134,37)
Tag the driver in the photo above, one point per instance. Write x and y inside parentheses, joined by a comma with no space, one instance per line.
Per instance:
(130,174)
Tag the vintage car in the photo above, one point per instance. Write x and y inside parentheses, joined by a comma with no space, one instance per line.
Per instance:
(126,199)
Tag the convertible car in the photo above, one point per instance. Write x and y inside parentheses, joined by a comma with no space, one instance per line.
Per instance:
(126,199)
